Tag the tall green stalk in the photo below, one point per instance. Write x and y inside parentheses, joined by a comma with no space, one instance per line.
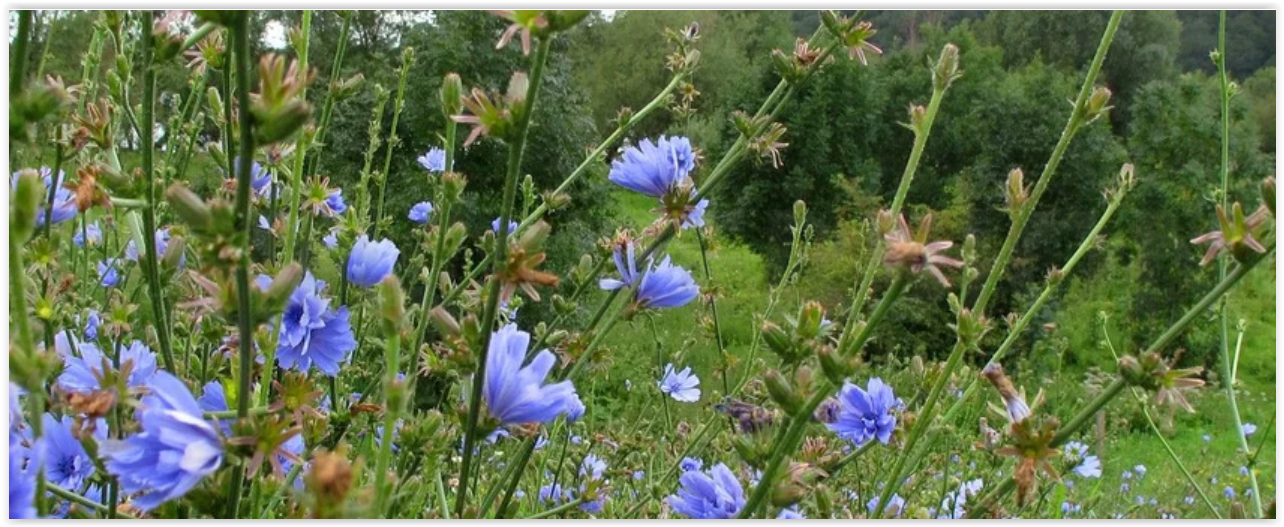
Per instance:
(1226,373)
(407,60)
(1078,117)
(335,69)
(152,267)
(18,69)
(499,259)
(241,43)
(300,146)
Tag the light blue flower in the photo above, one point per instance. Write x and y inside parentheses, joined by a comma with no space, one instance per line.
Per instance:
(22,487)
(421,212)
(895,506)
(92,231)
(654,169)
(434,160)
(81,374)
(66,463)
(1228,492)
(553,494)
(790,513)
(313,334)
(330,240)
(666,286)
(690,463)
(512,226)
(626,264)
(1140,470)
(682,386)
(162,244)
(639,475)
(214,399)
(592,467)
(695,216)
(109,272)
(1248,429)
(174,452)
(334,202)
(865,414)
(516,394)
(370,262)
(91,324)
(715,495)
(1089,468)
(64,205)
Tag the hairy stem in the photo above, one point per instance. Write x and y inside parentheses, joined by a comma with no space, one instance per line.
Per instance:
(152,259)
(300,147)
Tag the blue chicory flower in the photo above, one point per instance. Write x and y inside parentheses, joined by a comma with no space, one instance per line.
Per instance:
(790,513)
(1089,468)
(626,264)
(665,286)
(516,394)
(553,494)
(512,226)
(865,414)
(214,399)
(92,322)
(895,506)
(334,202)
(22,487)
(330,240)
(434,160)
(92,232)
(1248,429)
(370,262)
(690,463)
(66,463)
(592,467)
(654,169)
(109,272)
(715,495)
(313,334)
(421,212)
(81,374)
(682,386)
(64,206)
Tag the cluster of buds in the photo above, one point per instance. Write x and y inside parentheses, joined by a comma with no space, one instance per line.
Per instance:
(524,257)
(1098,105)
(969,326)
(852,33)
(1152,373)
(796,483)
(35,102)
(329,483)
(279,110)
(1236,234)
(167,35)
(946,69)
(1016,194)
(801,337)
(498,118)
(1126,181)
(684,56)
(795,67)
(453,351)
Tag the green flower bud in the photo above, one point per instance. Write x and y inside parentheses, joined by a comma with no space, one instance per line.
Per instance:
(281,123)
(1268,193)
(781,392)
(215,102)
(392,303)
(946,69)
(809,319)
(190,207)
(279,291)
(564,19)
(26,204)
(1098,104)
(452,93)
(800,212)
(173,253)
(777,339)
(836,368)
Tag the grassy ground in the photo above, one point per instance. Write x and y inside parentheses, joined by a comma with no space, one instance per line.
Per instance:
(741,286)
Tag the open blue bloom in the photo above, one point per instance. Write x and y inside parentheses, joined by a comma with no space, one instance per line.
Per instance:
(64,205)
(626,264)
(665,286)
(260,178)
(370,262)
(330,240)
(516,394)
(81,374)
(553,494)
(421,212)
(512,226)
(66,463)
(575,410)
(895,506)
(682,386)
(434,160)
(592,467)
(22,487)
(334,202)
(653,169)
(92,322)
(1228,492)
(1248,429)
(1140,470)
(1089,468)
(109,272)
(313,334)
(715,495)
(689,463)
(92,231)
(790,513)
(865,414)
(175,450)
(214,399)
(695,216)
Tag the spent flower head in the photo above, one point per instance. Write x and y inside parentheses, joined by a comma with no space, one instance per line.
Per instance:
(911,251)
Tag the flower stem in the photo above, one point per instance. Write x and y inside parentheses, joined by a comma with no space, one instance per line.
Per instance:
(500,253)
(407,60)
(18,70)
(1081,419)
(788,440)
(1227,373)
(300,147)
(335,69)
(152,259)
(927,412)
(392,412)
(241,44)
(1088,243)
(53,189)
(438,255)
(557,510)
(713,307)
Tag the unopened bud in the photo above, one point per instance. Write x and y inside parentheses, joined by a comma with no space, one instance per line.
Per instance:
(190,207)
(348,87)
(444,321)
(453,184)
(215,101)
(777,339)
(946,69)
(535,235)
(624,116)
(1098,103)
(835,23)
(969,248)
(392,302)
(835,367)
(282,286)
(26,205)
(455,238)
(452,92)
(564,19)
(282,122)
(917,118)
(781,392)
(1015,192)
(800,213)
(517,86)
(173,256)
(557,200)
(809,319)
